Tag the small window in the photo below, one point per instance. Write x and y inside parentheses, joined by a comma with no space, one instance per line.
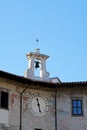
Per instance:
(4,100)
(77,107)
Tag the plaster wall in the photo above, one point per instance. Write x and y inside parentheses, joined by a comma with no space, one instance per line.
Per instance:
(65,119)
(29,120)
(10,117)
(45,122)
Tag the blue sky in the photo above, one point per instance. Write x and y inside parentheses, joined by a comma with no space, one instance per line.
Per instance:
(60,26)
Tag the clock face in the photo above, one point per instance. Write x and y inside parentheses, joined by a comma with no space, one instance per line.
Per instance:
(38,104)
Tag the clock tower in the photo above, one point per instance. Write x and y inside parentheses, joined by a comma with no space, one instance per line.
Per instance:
(37,66)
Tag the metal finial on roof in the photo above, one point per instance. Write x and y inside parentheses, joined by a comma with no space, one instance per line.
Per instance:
(37,50)
(37,41)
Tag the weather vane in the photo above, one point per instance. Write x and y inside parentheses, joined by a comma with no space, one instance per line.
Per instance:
(37,41)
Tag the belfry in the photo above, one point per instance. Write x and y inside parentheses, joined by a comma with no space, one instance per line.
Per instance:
(36,60)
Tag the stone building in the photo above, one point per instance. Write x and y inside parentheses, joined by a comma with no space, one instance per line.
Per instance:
(36,102)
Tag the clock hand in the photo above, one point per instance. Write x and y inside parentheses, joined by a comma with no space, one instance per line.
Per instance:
(38,104)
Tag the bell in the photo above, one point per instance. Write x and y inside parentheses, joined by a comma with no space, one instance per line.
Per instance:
(36,64)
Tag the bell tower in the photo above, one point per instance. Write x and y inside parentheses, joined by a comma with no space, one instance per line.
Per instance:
(37,61)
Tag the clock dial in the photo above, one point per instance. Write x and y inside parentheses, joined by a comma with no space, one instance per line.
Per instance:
(38,105)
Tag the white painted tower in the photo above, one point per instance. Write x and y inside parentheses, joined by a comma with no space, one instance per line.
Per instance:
(37,61)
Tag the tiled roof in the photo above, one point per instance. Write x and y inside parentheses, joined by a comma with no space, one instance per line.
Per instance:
(73,84)
(24,80)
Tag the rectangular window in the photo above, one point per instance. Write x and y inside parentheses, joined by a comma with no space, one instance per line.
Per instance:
(77,107)
(4,98)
